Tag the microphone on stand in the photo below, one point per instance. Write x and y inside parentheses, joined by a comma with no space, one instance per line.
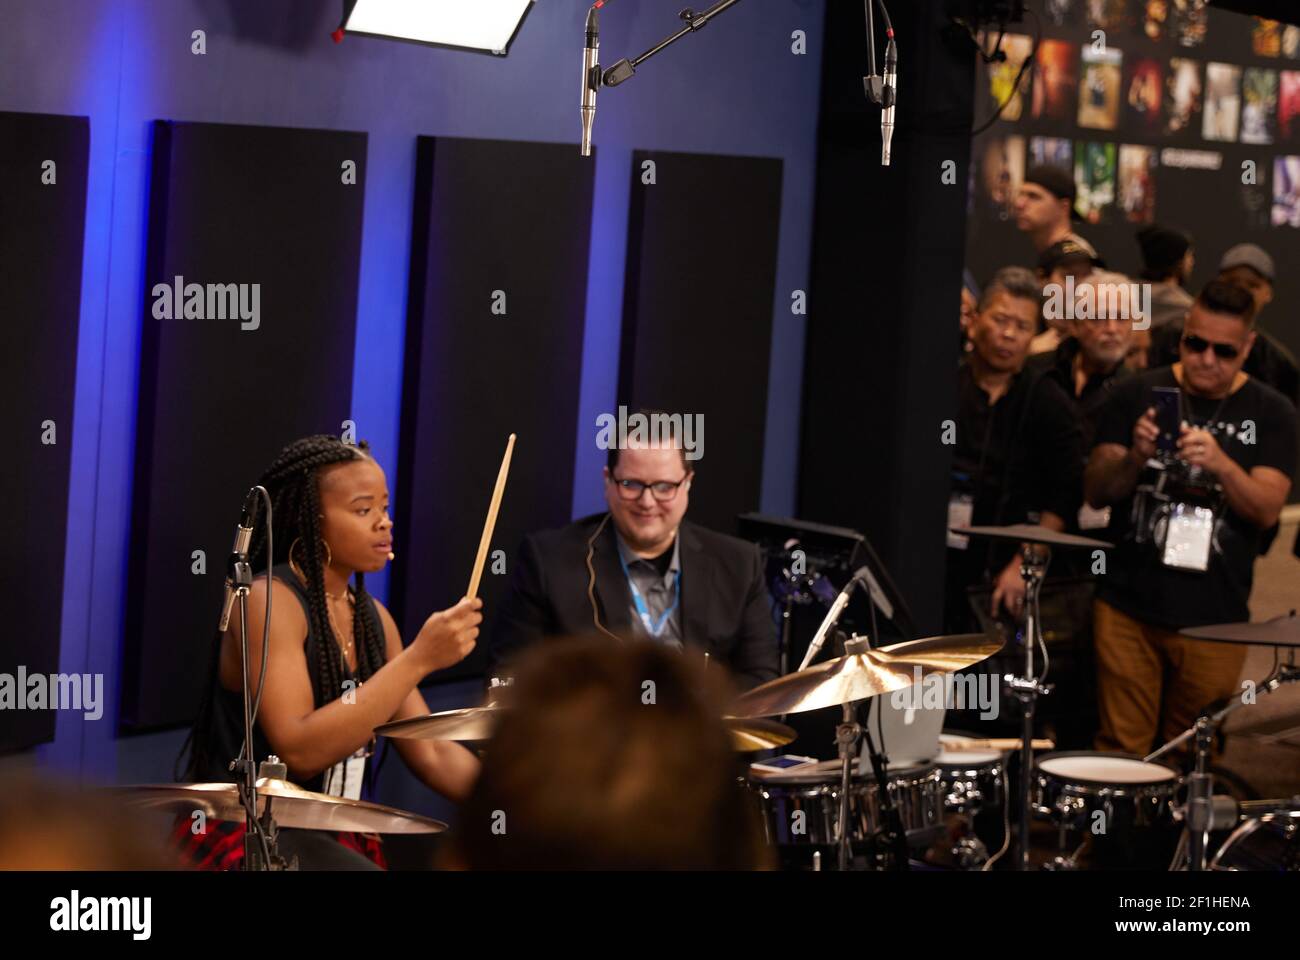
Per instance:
(833,615)
(238,556)
(888,98)
(590,79)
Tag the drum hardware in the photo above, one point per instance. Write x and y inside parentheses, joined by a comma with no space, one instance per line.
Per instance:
(861,673)
(1198,813)
(1035,554)
(1063,863)
(1268,842)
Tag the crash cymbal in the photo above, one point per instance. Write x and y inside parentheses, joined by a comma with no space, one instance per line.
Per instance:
(291,806)
(1281,631)
(1032,533)
(749,734)
(863,673)
(471,723)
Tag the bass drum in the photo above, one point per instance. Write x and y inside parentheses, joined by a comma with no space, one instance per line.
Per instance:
(1270,843)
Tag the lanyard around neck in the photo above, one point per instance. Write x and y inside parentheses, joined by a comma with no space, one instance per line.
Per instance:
(653,627)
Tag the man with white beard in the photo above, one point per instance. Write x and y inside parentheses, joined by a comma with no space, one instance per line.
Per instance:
(1088,361)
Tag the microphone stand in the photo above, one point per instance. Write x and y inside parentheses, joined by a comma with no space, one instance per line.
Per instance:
(244,766)
(259,836)
(625,68)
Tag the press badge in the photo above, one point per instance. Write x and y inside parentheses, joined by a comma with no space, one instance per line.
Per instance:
(1188,533)
(961,510)
(344,778)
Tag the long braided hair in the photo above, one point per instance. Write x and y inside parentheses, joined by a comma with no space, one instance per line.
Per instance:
(293,481)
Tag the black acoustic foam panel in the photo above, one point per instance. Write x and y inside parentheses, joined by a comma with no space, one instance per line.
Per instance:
(230,205)
(489,216)
(43,171)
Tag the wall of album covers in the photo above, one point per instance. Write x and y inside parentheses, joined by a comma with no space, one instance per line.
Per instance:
(1163,111)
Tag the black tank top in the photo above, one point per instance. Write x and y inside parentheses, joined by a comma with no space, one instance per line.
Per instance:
(225,734)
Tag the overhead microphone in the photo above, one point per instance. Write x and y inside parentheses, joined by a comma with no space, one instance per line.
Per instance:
(860,576)
(238,555)
(882,90)
(888,97)
(590,78)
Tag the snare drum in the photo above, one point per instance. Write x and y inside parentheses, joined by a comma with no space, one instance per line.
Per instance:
(1072,787)
(1270,842)
(972,779)
(917,793)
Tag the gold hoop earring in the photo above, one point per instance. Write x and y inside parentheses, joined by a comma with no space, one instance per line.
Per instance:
(293,564)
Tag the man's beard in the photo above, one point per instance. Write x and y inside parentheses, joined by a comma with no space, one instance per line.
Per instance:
(1107,359)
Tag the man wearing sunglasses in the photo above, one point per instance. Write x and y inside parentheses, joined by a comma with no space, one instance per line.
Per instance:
(1186,521)
(642,571)
(1248,266)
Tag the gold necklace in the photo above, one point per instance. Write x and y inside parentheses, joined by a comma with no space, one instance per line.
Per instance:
(338,632)
(329,612)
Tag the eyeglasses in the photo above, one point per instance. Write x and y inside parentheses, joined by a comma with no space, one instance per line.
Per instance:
(1224,351)
(661,490)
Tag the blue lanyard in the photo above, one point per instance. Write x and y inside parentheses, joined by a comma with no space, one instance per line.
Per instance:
(653,627)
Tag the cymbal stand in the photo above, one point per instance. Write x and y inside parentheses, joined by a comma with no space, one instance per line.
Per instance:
(847,737)
(1198,814)
(1028,688)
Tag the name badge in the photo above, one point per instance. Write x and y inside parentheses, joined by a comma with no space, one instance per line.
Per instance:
(961,510)
(1188,534)
(344,778)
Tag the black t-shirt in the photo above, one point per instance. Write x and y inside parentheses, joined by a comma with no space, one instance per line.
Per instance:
(1020,456)
(1136,582)
(1058,364)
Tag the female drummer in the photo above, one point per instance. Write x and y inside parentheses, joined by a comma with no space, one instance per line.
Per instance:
(336,667)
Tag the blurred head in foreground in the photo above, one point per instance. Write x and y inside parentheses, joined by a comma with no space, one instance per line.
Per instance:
(613,757)
(47,824)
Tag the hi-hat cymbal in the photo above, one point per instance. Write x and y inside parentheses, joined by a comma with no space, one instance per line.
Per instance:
(752,733)
(863,673)
(471,723)
(291,806)
(1032,533)
(1281,631)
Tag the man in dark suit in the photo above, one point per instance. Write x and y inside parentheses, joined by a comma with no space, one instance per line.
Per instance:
(640,571)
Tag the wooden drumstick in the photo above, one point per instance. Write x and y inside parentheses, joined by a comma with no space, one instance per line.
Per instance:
(490,524)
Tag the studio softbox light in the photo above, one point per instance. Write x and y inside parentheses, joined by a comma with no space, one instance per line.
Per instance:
(487,26)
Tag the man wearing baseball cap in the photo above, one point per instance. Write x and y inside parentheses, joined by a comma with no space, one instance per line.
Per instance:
(1167,263)
(1044,208)
(1251,268)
